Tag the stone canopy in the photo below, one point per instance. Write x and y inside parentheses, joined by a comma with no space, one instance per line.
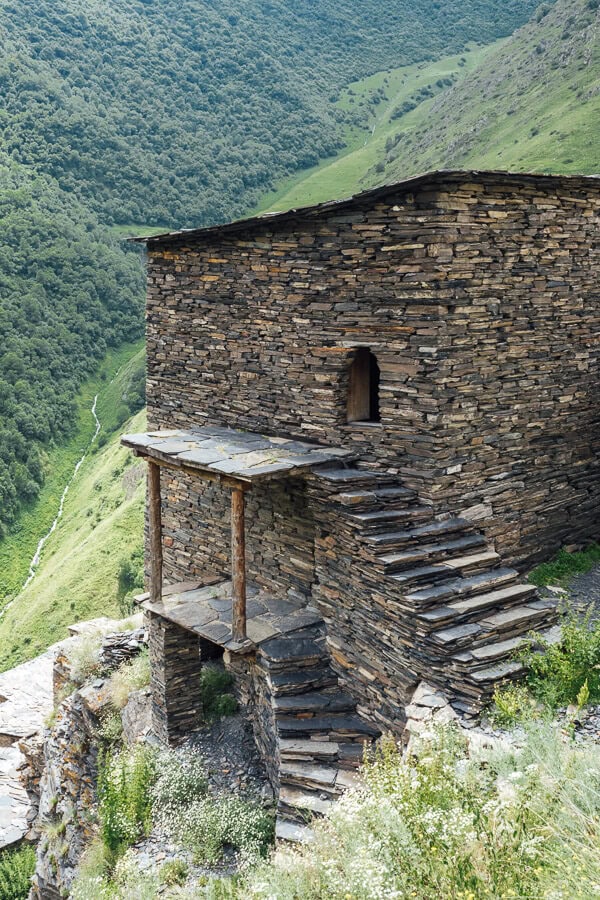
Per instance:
(230,454)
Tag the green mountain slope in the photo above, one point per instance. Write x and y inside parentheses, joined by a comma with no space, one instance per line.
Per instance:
(528,103)
(94,555)
(377,101)
(532,105)
(184,111)
(68,293)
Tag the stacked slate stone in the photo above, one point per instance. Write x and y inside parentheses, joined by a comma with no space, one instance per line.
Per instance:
(176,690)
(122,647)
(307,728)
(477,292)
(404,592)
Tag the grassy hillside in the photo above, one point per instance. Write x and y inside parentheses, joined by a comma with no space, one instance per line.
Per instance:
(376,102)
(532,105)
(101,527)
(528,103)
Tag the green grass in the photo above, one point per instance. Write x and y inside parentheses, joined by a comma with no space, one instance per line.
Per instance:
(16,870)
(344,175)
(526,103)
(17,549)
(127,231)
(565,566)
(78,577)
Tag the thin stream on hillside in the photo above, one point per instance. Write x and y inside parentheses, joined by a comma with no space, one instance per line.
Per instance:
(38,553)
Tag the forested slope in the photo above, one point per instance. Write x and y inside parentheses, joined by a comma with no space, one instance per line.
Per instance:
(67,293)
(184,111)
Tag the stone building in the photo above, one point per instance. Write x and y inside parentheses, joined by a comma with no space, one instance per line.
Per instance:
(369,417)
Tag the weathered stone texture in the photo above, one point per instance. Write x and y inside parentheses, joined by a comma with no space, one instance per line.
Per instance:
(279,540)
(176,690)
(480,299)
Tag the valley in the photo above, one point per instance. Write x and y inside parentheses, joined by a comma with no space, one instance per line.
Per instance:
(100,530)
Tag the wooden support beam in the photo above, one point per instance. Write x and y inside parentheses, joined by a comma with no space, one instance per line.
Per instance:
(155,523)
(238,565)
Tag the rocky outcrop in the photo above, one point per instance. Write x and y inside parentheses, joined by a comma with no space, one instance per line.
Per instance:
(67,792)
(64,794)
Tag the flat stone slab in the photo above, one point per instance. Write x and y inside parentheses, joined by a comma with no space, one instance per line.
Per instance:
(240,455)
(207,611)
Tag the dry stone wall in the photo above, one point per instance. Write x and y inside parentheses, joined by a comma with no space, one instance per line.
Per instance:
(279,539)
(479,295)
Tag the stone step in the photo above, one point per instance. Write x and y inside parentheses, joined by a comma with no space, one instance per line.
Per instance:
(461,610)
(292,832)
(430,553)
(294,800)
(485,654)
(360,478)
(511,622)
(462,587)
(298,681)
(293,651)
(519,617)
(316,702)
(416,536)
(314,776)
(496,673)
(382,520)
(449,569)
(335,727)
(388,498)
(309,750)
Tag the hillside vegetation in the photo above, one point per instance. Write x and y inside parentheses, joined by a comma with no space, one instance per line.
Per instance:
(184,111)
(68,293)
(94,556)
(121,116)
(528,103)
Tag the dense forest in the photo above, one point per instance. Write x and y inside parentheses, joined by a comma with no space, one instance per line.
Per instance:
(185,111)
(159,112)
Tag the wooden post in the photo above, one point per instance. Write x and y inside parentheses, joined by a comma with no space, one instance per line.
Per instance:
(155,522)
(238,565)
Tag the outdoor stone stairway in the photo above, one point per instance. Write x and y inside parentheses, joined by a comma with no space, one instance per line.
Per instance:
(462,610)
(320,736)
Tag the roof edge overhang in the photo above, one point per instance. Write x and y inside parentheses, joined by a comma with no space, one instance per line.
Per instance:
(580,182)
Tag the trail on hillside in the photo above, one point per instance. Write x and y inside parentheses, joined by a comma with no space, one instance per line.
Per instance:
(33,566)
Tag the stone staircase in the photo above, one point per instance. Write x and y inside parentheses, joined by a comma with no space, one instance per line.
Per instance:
(458,609)
(320,736)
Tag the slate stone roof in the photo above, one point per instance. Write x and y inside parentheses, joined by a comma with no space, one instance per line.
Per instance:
(235,454)
(572,182)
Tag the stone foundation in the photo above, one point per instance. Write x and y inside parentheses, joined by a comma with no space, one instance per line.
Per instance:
(176,691)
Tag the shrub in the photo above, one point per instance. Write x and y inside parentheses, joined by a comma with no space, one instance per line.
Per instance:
(84,657)
(125,783)
(181,779)
(207,826)
(557,673)
(512,703)
(132,675)
(507,823)
(111,727)
(565,565)
(16,870)
(217,699)
(174,872)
